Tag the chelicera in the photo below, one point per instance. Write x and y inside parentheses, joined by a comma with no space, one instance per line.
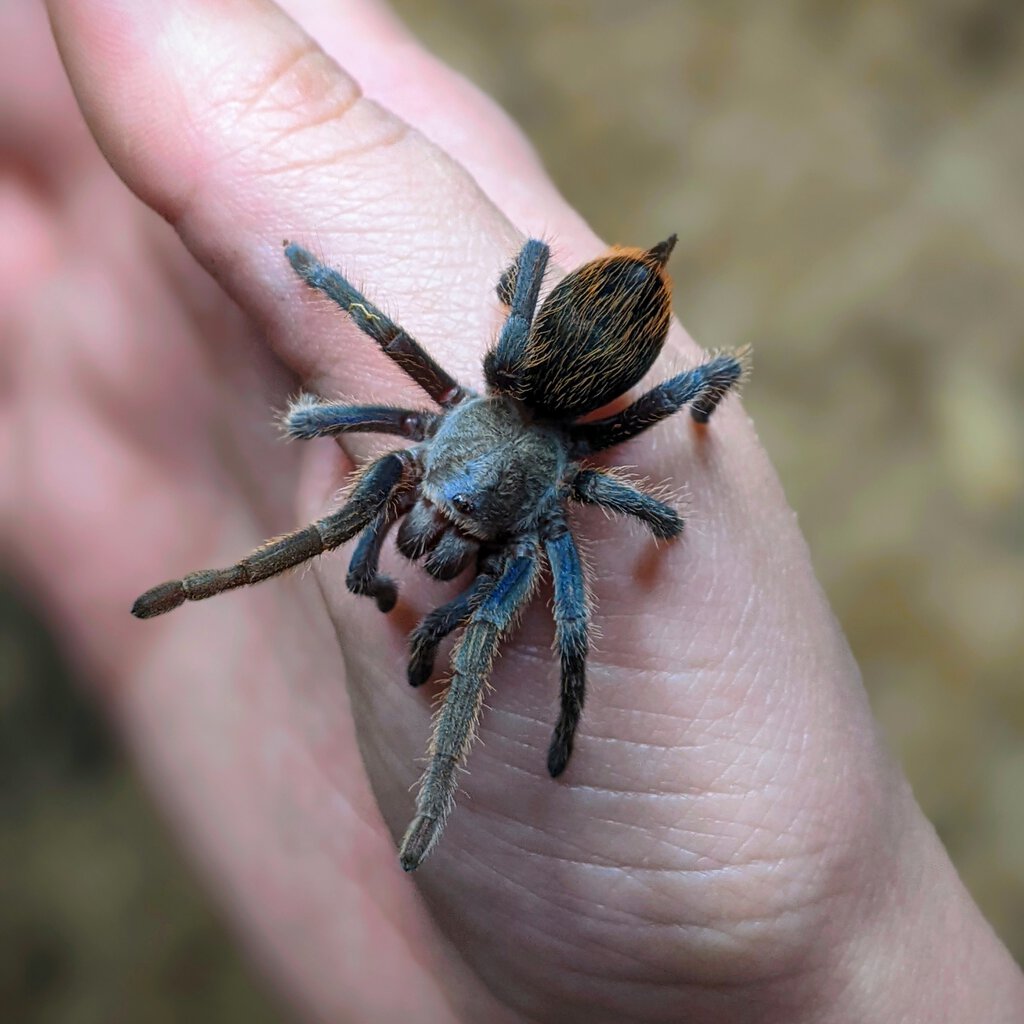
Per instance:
(485,480)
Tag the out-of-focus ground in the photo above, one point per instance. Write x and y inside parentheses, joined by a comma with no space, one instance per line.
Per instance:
(847,181)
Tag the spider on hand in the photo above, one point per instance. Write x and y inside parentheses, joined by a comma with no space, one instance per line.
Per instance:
(486,479)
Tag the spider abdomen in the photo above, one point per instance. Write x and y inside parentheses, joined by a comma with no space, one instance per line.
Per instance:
(597,333)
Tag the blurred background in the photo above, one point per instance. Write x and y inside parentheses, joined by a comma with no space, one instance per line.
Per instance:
(847,182)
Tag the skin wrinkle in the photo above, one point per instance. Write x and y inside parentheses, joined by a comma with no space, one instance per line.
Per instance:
(397,56)
(538,723)
(653,664)
(733,863)
(689,716)
(657,794)
(641,745)
(531,896)
(686,844)
(306,99)
(648,874)
(702,711)
(507,817)
(533,767)
(662,972)
(635,919)
(390,131)
(728,866)
(289,71)
(683,932)
(329,160)
(722,865)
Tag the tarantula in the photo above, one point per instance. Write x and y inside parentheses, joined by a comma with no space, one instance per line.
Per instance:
(486,480)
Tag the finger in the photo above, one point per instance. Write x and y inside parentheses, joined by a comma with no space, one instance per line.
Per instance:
(366,39)
(252,136)
(39,123)
(42,152)
(230,141)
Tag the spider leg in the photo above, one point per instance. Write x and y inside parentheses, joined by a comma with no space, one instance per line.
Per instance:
(308,417)
(380,482)
(395,342)
(703,387)
(456,723)
(434,627)
(571,619)
(597,487)
(506,286)
(519,289)
(363,575)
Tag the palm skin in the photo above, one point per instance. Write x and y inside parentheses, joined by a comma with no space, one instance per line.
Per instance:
(729,819)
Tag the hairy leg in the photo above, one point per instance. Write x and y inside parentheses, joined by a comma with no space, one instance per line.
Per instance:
(571,620)
(393,340)
(703,388)
(597,487)
(382,480)
(435,626)
(308,417)
(456,724)
(519,289)
(364,576)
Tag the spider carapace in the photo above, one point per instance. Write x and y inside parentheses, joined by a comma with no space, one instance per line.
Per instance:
(485,479)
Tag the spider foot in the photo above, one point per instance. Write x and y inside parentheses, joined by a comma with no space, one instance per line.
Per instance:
(418,840)
(386,595)
(159,599)
(559,752)
(381,588)
(421,660)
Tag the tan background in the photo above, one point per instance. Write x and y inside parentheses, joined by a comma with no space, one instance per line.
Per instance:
(847,181)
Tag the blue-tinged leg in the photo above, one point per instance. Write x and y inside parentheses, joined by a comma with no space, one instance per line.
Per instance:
(427,636)
(364,576)
(456,724)
(703,388)
(596,487)
(308,417)
(519,289)
(571,618)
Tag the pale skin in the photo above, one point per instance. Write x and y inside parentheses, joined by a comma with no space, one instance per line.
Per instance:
(731,841)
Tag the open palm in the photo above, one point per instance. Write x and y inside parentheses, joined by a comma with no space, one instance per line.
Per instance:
(718,832)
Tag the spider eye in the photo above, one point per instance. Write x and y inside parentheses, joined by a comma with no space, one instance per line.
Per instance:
(463,503)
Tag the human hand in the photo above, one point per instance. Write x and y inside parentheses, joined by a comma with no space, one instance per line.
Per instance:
(729,843)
